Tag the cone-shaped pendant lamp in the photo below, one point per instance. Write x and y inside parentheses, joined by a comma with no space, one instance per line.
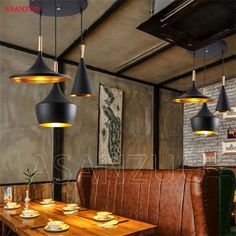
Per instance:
(39,73)
(55,110)
(223,102)
(205,122)
(82,83)
(193,95)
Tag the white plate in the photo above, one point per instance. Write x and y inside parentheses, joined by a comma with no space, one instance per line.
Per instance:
(62,228)
(47,203)
(36,214)
(12,208)
(70,209)
(97,218)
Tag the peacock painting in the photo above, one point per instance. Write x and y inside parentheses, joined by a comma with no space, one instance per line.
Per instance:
(110,126)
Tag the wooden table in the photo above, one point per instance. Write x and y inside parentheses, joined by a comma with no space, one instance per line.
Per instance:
(80,223)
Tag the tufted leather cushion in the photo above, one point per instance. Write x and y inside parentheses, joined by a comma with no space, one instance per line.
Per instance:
(179,202)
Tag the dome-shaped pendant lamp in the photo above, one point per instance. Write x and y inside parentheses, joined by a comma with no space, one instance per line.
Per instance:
(193,95)
(205,122)
(82,83)
(39,73)
(223,102)
(55,110)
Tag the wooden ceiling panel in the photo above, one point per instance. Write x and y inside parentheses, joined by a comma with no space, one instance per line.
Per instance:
(213,75)
(21,28)
(117,40)
(173,62)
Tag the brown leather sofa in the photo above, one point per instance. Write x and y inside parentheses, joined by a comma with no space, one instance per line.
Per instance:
(179,202)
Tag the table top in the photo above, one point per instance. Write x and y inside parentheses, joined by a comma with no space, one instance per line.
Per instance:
(81,223)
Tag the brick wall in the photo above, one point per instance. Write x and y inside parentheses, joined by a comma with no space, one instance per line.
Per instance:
(194,145)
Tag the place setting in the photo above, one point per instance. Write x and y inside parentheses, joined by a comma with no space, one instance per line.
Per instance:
(108,219)
(56,226)
(47,201)
(11,206)
(70,209)
(28,214)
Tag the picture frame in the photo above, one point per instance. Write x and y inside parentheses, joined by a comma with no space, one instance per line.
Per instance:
(229,147)
(209,158)
(232,133)
(110,126)
(231,114)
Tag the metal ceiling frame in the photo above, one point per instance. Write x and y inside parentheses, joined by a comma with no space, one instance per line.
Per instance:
(200,69)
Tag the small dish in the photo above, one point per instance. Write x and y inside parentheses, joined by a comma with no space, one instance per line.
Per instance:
(12,208)
(108,218)
(47,203)
(36,214)
(62,228)
(70,208)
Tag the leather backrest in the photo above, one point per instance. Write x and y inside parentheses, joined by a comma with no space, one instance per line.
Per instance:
(179,202)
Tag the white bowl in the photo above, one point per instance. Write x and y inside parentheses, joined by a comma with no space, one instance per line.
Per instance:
(103,214)
(11,204)
(28,213)
(55,224)
(47,200)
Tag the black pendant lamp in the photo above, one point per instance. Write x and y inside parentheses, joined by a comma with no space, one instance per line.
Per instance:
(82,84)
(193,95)
(55,110)
(205,122)
(223,102)
(39,72)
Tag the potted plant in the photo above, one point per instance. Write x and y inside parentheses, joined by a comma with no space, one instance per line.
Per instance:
(29,178)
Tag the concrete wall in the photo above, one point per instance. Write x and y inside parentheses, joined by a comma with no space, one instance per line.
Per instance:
(194,146)
(80,141)
(22,143)
(25,145)
(170,131)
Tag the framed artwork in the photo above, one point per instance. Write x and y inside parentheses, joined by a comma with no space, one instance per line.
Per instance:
(231,114)
(110,126)
(229,147)
(231,133)
(209,158)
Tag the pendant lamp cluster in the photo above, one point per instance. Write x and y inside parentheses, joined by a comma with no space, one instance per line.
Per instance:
(205,122)
(55,110)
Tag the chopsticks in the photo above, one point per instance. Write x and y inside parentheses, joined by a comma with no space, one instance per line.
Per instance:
(122,221)
(17,214)
(37,227)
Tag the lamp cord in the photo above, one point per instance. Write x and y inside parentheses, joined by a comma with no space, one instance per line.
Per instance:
(223,62)
(40,23)
(55,30)
(81,26)
(204,68)
(194,60)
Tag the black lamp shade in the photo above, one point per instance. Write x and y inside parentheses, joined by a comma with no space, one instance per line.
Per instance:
(193,95)
(55,110)
(205,122)
(82,84)
(39,73)
(223,102)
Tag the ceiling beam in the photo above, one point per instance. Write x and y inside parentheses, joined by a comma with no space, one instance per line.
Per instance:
(33,52)
(145,58)
(22,49)
(92,27)
(93,68)
(189,73)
